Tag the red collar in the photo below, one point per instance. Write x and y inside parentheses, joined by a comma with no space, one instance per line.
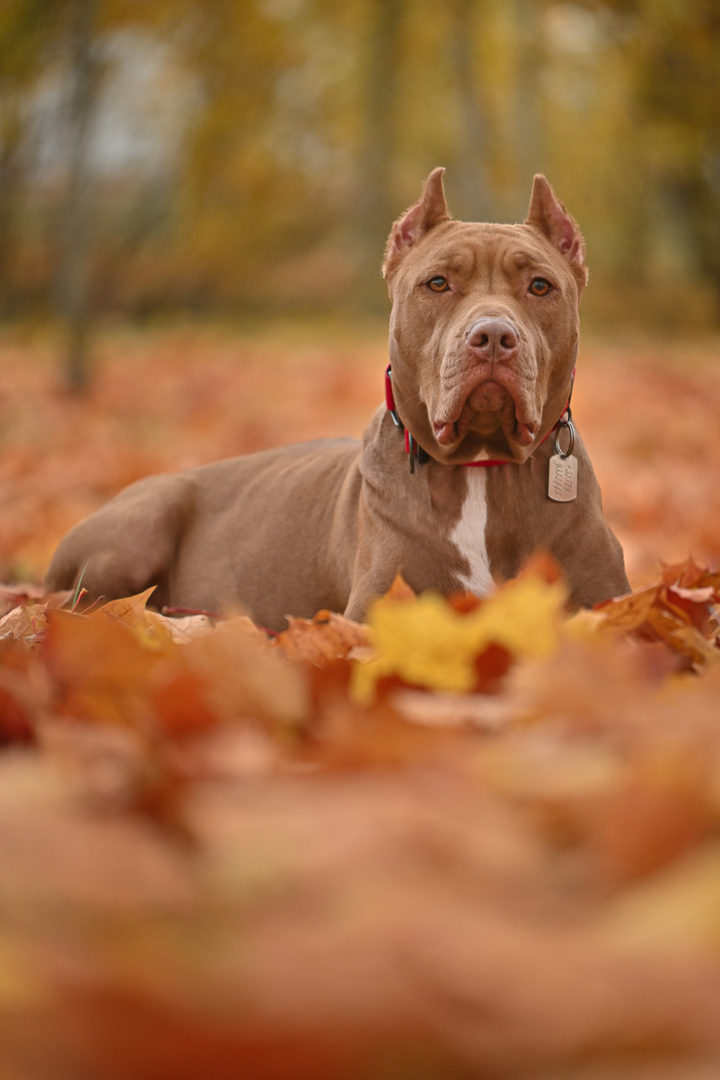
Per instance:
(416,452)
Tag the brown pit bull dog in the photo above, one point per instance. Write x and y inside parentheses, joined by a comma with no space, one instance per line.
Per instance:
(459,478)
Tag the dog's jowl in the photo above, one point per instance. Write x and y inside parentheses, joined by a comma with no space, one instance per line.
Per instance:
(471,465)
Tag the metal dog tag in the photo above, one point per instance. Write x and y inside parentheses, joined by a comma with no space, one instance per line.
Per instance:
(562,480)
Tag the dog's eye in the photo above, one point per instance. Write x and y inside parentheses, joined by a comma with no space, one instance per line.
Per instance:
(438,283)
(540,286)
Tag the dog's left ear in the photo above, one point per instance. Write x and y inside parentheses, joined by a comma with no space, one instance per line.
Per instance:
(430,210)
(549,215)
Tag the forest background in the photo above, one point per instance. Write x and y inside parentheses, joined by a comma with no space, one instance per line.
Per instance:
(249,155)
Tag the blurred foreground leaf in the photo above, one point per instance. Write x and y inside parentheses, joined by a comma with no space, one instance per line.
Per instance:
(216,859)
(428,643)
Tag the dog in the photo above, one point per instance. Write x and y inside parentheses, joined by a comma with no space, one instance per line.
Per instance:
(472,464)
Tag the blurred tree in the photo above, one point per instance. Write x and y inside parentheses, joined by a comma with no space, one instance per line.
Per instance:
(678,54)
(81,28)
(528,102)
(242,189)
(63,40)
(472,182)
(72,284)
(24,29)
(375,209)
(665,144)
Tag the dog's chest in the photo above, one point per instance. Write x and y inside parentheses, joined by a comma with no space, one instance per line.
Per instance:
(468,535)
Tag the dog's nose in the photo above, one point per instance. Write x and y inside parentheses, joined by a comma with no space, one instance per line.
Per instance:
(493,339)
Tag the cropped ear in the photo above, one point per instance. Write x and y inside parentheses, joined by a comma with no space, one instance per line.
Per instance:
(549,215)
(430,210)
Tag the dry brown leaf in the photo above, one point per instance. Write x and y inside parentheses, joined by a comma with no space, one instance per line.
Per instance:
(324,638)
(628,613)
(183,628)
(128,609)
(12,596)
(680,635)
(246,676)
(21,622)
(688,576)
(99,667)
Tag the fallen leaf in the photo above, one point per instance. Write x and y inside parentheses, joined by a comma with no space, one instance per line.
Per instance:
(99,667)
(16,722)
(246,676)
(128,609)
(662,809)
(428,643)
(325,637)
(400,590)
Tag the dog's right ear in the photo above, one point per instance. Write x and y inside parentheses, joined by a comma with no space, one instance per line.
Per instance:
(430,210)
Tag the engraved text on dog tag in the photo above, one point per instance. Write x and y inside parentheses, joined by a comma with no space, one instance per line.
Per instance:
(562,481)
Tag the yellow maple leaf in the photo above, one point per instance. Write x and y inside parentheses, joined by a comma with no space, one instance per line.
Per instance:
(427,643)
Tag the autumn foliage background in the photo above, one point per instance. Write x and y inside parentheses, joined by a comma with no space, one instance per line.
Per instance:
(464,840)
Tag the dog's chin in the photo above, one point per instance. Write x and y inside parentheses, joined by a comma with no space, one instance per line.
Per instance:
(476,447)
(488,427)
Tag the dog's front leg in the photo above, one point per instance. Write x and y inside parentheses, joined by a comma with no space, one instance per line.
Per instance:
(378,559)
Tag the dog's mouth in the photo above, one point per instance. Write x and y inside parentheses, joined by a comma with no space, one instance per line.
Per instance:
(489,410)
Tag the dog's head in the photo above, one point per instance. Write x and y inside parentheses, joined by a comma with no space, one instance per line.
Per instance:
(484,326)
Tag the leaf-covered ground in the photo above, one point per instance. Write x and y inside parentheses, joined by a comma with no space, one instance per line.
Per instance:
(463,840)
(174,399)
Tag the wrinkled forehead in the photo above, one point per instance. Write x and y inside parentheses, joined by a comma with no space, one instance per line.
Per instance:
(466,250)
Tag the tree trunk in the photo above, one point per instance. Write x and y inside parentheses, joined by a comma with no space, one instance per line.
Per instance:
(375,205)
(9,183)
(72,286)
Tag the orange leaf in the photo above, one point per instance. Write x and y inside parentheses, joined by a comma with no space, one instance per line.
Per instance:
(543,565)
(628,613)
(687,574)
(129,609)
(464,602)
(693,606)
(179,700)
(344,734)
(400,590)
(100,668)
(681,636)
(492,665)
(326,637)
(662,810)
(15,721)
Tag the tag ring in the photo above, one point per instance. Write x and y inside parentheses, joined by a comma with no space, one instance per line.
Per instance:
(558,449)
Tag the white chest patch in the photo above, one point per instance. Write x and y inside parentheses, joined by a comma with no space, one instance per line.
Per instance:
(468,535)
